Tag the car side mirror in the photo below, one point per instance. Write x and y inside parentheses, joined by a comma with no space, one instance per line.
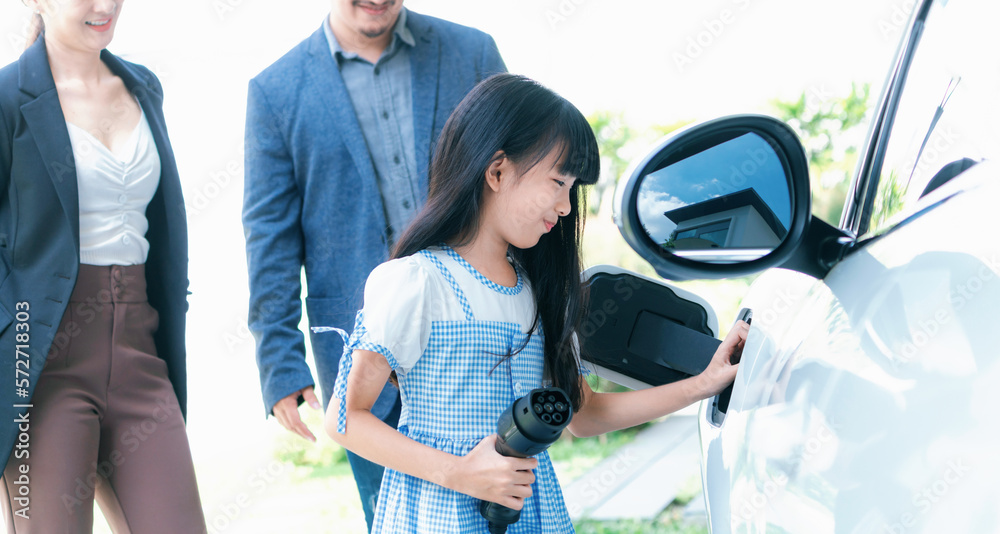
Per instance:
(725,198)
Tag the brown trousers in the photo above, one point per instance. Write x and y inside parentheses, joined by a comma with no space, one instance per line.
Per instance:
(105,422)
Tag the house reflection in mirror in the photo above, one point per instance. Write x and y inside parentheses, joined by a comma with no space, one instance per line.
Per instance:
(730,202)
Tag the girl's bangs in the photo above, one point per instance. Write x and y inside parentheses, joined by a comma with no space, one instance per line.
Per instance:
(572,136)
(580,155)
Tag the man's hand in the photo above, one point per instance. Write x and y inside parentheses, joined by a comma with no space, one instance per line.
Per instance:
(287,412)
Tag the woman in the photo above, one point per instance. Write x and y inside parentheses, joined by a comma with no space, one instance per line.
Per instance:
(93,281)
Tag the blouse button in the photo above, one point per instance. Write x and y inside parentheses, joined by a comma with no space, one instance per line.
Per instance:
(126,240)
(122,198)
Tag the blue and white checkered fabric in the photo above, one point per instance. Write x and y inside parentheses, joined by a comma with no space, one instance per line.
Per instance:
(354,342)
(454,285)
(452,399)
(479,276)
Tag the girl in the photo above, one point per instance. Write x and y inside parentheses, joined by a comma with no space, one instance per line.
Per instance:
(93,261)
(479,305)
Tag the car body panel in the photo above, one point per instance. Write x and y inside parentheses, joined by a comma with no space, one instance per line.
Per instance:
(865,400)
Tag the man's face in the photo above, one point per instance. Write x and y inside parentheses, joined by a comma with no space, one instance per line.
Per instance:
(371,18)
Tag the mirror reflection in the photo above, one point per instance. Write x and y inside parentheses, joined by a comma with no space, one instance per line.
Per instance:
(727,203)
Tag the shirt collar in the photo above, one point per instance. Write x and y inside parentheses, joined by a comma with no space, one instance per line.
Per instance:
(401,34)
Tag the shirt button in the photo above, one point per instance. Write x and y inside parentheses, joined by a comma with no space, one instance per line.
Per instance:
(395,159)
(122,198)
(126,240)
(377,70)
(385,114)
(406,204)
(517,388)
(124,217)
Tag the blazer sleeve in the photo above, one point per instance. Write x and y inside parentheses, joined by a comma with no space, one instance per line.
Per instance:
(6,164)
(272,209)
(6,159)
(490,62)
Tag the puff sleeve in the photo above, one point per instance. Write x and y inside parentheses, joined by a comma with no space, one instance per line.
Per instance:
(394,322)
(396,319)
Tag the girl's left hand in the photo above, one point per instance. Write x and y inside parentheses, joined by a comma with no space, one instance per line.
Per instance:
(721,371)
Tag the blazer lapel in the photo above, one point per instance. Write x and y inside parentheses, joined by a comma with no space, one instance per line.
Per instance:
(336,101)
(425,63)
(45,120)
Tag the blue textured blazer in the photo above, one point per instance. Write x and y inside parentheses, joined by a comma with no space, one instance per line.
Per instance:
(40,225)
(311,199)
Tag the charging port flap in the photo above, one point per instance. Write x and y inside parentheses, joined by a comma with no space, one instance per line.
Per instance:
(641,332)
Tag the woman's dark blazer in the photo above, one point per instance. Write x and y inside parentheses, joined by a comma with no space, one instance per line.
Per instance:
(40,230)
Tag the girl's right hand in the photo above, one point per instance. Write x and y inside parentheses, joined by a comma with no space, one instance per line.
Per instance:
(487,475)
(722,369)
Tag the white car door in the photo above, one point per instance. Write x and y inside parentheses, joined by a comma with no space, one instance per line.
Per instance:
(867,387)
(866,399)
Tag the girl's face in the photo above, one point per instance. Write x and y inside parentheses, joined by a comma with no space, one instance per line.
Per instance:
(85,25)
(523,208)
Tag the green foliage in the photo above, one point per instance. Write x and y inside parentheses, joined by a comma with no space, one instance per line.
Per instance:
(576,456)
(319,455)
(313,459)
(829,126)
(823,123)
(617,142)
(888,201)
(612,135)
(660,130)
(669,521)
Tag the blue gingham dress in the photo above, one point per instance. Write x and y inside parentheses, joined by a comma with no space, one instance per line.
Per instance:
(444,347)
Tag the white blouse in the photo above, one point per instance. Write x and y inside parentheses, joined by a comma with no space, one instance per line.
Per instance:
(403,297)
(114,189)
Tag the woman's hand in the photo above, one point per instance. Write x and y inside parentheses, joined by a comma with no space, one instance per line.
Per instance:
(721,371)
(487,475)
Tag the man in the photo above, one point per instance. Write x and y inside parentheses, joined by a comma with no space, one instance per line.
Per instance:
(339,136)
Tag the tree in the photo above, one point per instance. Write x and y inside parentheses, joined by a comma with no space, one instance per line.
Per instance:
(612,135)
(830,129)
(618,143)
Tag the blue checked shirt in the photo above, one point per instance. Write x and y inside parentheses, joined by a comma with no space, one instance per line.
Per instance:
(382,97)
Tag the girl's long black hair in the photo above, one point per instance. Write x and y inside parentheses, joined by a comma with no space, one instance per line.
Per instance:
(525,121)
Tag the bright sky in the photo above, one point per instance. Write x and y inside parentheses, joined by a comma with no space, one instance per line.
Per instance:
(658,61)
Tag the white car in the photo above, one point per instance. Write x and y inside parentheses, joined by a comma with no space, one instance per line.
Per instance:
(867,392)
